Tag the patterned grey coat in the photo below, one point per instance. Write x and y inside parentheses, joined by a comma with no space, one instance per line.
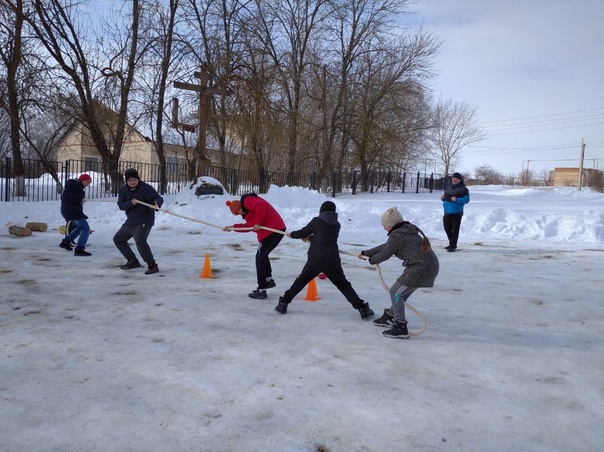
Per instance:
(404,242)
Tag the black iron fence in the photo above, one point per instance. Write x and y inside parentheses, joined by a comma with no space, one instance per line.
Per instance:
(44,181)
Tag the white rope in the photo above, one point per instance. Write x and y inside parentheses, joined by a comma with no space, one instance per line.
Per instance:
(407,305)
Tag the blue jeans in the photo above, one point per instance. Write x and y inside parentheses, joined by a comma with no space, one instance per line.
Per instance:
(81,232)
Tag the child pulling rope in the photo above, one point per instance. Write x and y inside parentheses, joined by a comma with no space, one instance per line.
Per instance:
(256,227)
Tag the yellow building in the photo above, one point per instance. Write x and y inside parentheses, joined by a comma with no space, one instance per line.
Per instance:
(569,177)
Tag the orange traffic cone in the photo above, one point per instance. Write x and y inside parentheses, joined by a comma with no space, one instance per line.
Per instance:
(207,268)
(311,293)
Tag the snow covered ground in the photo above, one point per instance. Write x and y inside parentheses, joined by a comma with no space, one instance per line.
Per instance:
(99,359)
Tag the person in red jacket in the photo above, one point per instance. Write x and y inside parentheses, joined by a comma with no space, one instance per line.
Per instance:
(257,212)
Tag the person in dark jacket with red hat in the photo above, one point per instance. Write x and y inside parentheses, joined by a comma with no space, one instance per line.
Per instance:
(323,257)
(258,212)
(72,209)
(139,221)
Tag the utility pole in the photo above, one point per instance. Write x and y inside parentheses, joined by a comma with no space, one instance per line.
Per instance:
(525,175)
(204,103)
(580,185)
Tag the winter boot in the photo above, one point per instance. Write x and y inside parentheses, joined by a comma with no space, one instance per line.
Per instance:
(132,263)
(365,311)
(385,320)
(398,331)
(65,245)
(282,306)
(270,284)
(258,294)
(81,252)
(152,268)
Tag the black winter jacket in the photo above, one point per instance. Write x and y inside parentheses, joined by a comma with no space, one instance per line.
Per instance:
(71,200)
(322,231)
(139,214)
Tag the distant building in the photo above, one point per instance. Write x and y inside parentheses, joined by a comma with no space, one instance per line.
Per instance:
(77,144)
(569,177)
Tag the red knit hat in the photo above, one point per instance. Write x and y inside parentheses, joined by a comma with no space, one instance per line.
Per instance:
(235,207)
(85,177)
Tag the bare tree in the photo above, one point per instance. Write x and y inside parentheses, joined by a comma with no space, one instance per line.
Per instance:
(60,30)
(288,28)
(389,89)
(5,148)
(11,33)
(259,129)
(487,175)
(527,176)
(454,128)
(220,46)
(160,24)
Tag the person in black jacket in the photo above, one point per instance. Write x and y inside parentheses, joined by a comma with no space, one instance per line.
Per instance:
(323,257)
(139,221)
(72,209)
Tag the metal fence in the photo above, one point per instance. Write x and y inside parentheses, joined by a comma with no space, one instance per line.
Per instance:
(44,181)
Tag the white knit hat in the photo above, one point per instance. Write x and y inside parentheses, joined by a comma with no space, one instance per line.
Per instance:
(392,217)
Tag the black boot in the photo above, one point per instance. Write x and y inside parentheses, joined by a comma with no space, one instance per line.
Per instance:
(282,306)
(385,320)
(365,311)
(65,245)
(398,331)
(132,263)
(81,252)
(152,268)
(258,294)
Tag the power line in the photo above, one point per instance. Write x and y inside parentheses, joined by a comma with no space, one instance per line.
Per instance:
(548,122)
(546,130)
(489,150)
(544,123)
(546,116)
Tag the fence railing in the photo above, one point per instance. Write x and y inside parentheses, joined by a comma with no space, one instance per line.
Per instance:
(44,181)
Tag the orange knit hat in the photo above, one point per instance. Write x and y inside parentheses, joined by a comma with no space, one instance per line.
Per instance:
(235,207)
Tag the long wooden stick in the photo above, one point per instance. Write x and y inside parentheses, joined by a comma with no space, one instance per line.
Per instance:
(178,215)
(407,305)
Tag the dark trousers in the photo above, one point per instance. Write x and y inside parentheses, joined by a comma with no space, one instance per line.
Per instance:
(335,274)
(264,271)
(139,233)
(452,223)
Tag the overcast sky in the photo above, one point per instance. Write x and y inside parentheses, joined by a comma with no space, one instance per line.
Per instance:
(535,71)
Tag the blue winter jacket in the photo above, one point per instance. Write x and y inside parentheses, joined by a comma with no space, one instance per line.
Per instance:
(139,214)
(462,197)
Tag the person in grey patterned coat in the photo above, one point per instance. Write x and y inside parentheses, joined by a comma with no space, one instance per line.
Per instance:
(407,242)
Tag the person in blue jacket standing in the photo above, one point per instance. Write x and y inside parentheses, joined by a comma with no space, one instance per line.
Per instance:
(454,198)
(139,221)
(72,209)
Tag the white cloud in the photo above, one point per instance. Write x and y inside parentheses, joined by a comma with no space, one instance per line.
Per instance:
(523,59)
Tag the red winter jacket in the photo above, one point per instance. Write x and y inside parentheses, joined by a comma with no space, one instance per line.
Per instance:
(258,211)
